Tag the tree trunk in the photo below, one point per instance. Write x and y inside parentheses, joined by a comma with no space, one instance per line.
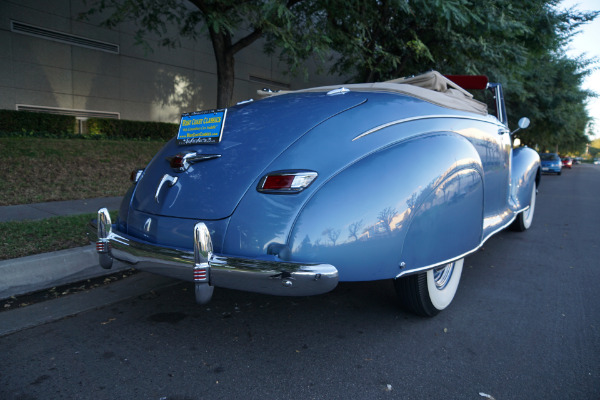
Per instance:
(222,47)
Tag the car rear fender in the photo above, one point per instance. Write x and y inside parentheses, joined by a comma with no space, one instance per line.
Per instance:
(447,224)
(525,172)
(392,210)
(262,222)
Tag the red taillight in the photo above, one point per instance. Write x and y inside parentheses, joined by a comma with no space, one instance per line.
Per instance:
(136,175)
(177,162)
(286,181)
(278,182)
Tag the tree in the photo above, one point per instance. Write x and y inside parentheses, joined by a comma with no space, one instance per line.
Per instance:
(517,43)
(231,25)
(355,228)
(332,234)
(556,103)
(594,148)
(386,216)
(548,85)
(393,38)
(388,39)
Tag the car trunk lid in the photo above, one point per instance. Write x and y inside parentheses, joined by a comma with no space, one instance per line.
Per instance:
(254,134)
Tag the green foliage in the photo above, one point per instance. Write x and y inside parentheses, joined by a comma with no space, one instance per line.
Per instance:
(517,43)
(45,169)
(42,125)
(554,101)
(125,129)
(24,123)
(390,39)
(594,148)
(24,238)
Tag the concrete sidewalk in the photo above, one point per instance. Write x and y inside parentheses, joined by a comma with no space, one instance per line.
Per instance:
(42,271)
(57,208)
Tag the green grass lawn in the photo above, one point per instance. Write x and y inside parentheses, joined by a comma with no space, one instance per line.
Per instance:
(38,170)
(24,238)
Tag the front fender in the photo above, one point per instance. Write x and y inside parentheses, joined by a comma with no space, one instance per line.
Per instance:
(360,220)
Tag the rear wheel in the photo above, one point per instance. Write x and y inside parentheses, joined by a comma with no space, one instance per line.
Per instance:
(428,293)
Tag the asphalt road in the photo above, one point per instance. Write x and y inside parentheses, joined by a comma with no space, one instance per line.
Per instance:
(525,324)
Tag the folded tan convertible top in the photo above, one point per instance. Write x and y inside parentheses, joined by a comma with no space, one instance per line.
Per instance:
(432,87)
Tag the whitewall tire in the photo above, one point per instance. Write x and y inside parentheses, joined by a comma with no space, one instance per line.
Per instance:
(525,218)
(430,292)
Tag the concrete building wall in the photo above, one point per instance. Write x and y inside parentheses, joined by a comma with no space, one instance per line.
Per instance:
(132,83)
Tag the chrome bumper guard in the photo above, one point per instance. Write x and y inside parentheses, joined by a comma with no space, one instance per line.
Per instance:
(207,269)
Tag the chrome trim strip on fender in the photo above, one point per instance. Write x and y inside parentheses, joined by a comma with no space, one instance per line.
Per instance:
(401,121)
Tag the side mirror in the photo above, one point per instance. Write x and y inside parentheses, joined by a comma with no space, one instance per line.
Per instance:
(523,124)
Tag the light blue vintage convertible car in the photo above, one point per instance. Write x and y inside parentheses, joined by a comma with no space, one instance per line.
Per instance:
(301,190)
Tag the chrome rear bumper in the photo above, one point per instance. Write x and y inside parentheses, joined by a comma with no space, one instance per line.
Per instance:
(207,269)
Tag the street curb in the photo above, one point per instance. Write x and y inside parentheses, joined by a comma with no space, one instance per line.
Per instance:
(43,271)
(12,321)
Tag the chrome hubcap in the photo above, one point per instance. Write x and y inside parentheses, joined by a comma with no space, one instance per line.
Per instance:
(441,276)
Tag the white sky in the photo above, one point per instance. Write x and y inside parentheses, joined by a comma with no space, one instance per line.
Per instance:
(587,42)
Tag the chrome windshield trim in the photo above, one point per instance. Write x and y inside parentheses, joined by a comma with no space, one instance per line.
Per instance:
(401,121)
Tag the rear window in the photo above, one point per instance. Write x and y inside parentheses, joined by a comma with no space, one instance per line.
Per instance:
(548,157)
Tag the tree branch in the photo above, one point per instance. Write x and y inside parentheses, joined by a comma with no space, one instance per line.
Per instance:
(246,40)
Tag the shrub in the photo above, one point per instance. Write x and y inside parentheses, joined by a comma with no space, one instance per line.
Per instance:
(27,123)
(125,129)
